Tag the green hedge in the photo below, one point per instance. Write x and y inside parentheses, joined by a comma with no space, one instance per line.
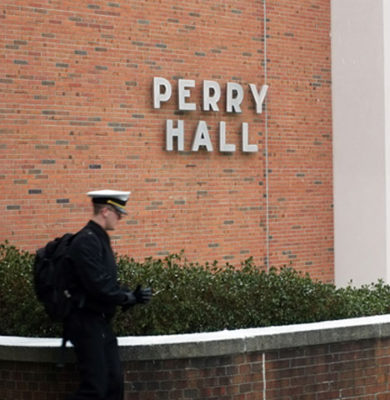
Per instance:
(194,298)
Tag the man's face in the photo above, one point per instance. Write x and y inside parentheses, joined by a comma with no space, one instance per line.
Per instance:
(112,217)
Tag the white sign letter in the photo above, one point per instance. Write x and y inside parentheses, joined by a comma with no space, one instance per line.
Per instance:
(223,146)
(210,100)
(259,97)
(247,148)
(172,132)
(202,137)
(158,97)
(234,96)
(184,92)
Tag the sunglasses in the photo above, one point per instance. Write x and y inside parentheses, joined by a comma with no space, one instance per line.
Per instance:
(118,214)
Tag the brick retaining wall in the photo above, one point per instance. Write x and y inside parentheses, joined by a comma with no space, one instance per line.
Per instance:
(334,360)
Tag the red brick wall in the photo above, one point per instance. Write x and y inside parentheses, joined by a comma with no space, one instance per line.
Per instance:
(76,114)
(346,370)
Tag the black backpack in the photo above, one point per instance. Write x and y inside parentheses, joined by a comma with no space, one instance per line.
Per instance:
(52,277)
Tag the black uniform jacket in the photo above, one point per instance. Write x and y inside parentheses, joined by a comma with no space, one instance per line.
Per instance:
(94,270)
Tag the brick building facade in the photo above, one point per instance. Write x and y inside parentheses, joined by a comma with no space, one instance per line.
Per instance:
(77,114)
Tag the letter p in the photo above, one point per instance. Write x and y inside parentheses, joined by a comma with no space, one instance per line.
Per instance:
(162,91)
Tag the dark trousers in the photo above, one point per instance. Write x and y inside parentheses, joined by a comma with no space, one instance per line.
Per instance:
(96,349)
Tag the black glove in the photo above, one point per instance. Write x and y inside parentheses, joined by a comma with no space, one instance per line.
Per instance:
(143,296)
(130,300)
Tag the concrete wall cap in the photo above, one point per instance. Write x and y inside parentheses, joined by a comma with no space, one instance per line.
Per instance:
(209,343)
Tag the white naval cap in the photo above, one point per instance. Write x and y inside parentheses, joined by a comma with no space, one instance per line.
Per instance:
(115,198)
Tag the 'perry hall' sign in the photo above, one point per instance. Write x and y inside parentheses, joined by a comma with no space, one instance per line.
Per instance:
(162,92)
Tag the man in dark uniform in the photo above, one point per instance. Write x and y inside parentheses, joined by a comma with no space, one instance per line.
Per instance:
(94,273)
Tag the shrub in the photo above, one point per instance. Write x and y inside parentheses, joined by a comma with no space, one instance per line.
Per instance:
(20,312)
(190,297)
